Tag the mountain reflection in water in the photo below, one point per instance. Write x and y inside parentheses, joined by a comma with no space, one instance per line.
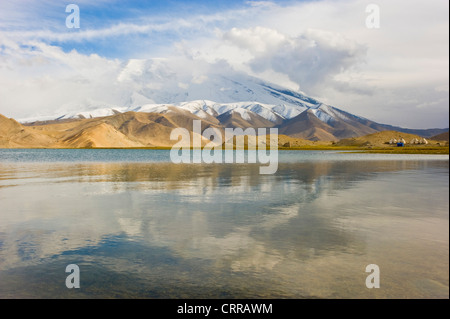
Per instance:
(161,230)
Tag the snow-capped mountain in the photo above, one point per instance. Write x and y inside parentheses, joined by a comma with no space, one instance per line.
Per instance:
(233,100)
(216,96)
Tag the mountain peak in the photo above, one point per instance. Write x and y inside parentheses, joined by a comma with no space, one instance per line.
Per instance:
(238,101)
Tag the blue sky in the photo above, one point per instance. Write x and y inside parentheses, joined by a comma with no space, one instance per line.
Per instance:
(50,15)
(397,74)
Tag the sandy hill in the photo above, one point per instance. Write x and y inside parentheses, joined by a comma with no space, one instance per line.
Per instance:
(441,137)
(138,129)
(15,135)
(307,126)
(100,135)
(380,139)
(123,130)
(235,120)
(154,129)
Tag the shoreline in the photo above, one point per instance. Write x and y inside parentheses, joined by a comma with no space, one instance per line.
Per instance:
(438,150)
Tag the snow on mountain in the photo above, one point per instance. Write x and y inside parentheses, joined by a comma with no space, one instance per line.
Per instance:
(327,111)
(156,85)
(91,114)
(203,108)
(323,116)
(245,114)
(220,95)
(149,108)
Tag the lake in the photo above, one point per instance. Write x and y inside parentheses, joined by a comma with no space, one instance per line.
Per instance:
(139,226)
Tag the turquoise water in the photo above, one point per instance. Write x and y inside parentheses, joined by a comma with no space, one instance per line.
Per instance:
(139,226)
(163,156)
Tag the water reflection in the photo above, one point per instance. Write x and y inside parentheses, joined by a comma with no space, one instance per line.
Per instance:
(163,230)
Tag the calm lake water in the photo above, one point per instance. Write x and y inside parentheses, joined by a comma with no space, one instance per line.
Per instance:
(139,226)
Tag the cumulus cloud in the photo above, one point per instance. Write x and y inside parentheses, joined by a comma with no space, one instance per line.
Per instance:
(37,79)
(397,74)
(258,40)
(40,80)
(310,59)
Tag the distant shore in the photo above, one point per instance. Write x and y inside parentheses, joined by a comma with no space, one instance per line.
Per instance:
(438,150)
(442,150)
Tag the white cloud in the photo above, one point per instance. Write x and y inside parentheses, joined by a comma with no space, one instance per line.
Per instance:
(37,79)
(200,79)
(311,59)
(258,40)
(322,47)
